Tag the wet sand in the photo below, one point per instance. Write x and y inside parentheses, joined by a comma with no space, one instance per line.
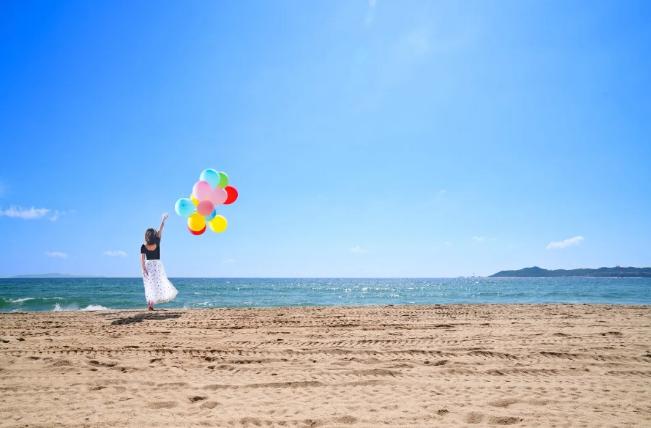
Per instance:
(450,365)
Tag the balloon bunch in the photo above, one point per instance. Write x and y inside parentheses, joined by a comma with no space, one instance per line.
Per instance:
(200,208)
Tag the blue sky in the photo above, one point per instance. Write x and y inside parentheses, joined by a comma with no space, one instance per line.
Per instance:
(366,138)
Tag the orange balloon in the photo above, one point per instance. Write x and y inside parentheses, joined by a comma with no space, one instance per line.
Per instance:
(196,222)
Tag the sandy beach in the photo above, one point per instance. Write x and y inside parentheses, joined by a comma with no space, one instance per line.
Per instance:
(456,365)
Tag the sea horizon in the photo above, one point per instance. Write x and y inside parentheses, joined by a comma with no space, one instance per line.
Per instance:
(583,272)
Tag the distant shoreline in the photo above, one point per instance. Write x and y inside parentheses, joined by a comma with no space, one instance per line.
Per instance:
(602,272)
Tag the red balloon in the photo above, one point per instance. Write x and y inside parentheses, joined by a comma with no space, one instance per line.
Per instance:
(198,232)
(231,195)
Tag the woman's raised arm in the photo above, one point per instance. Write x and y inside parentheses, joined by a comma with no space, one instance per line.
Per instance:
(162,225)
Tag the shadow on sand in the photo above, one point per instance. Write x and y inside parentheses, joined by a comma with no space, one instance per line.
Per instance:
(147,316)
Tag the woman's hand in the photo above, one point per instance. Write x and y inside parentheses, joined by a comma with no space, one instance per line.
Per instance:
(164,217)
(144,272)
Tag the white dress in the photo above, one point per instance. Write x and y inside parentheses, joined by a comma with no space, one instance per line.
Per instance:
(158,289)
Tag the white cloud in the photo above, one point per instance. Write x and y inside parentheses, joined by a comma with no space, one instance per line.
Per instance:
(569,242)
(228,261)
(24,213)
(358,250)
(479,238)
(31,213)
(56,254)
(115,253)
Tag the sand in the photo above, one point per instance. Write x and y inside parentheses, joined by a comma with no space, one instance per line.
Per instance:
(457,365)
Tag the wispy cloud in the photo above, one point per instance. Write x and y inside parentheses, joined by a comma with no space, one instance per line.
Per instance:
(56,254)
(24,213)
(357,249)
(569,242)
(370,13)
(228,261)
(479,238)
(115,253)
(31,213)
(424,42)
(417,42)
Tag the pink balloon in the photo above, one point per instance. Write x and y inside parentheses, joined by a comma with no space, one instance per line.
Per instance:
(205,207)
(218,196)
(201,190)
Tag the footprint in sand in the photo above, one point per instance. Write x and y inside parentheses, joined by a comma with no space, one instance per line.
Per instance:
(347,420)
(504,402)
(162,405)
(209,405)
(61,363)
(504,420)
(474,418)
(102,364)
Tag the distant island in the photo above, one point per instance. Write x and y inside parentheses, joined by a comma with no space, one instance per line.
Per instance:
(536,271)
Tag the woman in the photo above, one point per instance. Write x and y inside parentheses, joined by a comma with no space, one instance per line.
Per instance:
(158,289)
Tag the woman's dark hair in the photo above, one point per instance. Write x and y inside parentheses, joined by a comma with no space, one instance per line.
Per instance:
(150,236)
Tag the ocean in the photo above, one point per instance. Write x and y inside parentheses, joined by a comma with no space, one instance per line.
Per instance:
(87,294)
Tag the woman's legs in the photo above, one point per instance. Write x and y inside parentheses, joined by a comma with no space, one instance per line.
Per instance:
(150,306)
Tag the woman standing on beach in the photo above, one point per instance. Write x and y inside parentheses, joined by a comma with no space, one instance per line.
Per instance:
(158,289)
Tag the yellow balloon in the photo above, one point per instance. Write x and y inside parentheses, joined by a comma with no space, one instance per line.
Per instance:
(194,200)
(218,224)
(196,222)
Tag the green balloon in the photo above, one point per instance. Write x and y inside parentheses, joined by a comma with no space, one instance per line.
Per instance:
(223,180)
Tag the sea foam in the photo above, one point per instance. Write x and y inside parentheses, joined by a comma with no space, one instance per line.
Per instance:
(96,308)
(73,307)
(24,299)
